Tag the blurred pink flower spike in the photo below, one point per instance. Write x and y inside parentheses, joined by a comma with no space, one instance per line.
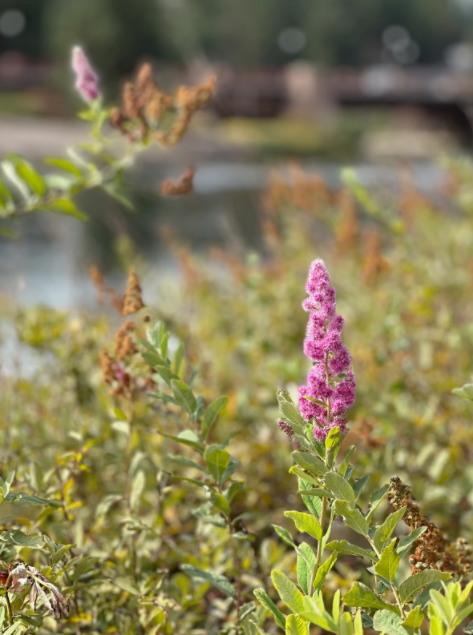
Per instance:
(87,79)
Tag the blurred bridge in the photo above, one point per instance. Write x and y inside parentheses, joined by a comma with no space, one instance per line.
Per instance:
(443,96)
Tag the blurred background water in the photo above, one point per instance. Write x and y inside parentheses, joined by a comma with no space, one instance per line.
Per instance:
(377,85)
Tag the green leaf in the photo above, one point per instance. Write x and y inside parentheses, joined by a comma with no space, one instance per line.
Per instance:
(126,584)
(65,165)
(345,624)
(388,563)
(137,487)
(384,531)
(358,624)
(216,461)
(342,546)
(17,537)
(65,206)
(462,615)
(333,438)
(316,491)
(218,581)
(305,566)
(353,517)
(377,498)
(303,475)
(346,459)
(288,592)
(466,391)
(307,523)
(313,503)
(285,535)
(184,396)
(166,373)
(221,503)
(266,601)
(310,463)
(20,498)
(152,358)
(363,597)
(295,625)
(317,401)
(59,554)
(359,486)
(414,618)
(182,460)
(11,174)
(82,567)
(388,623)
(415,583)
(289,413)
(340,488)
(186,437)
(406,541)
(211,415)
(31,177)
(323,570)
(444,608)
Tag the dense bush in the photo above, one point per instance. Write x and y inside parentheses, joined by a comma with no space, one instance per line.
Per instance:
(142,511)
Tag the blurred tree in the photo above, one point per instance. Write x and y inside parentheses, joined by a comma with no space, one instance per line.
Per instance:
(116,34)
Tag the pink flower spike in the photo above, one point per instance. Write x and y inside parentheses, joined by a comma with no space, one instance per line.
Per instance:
(87,79)
(330,379)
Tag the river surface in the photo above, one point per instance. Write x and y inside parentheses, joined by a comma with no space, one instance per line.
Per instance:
(49,261)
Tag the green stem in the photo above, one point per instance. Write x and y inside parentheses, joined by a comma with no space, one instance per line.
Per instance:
(319,548)
(327,378)
(10,612)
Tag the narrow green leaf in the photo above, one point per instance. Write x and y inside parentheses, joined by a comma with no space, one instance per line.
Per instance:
(323,570)
(343,546)
(377,498)
(316,491)
(211,415)
(288,592)
(359,486)
(267,602)
(466,392)
(186,437)
(406,541)
(65,165)
(285,535)
(305,566)
(218,581)
(65,206)
(184,396)
(303,475)
(384,531)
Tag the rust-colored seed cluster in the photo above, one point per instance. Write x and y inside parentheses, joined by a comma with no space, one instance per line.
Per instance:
(114,366)
(124,345)
(184,185)
(432,550)
(149,113)
(301,191)
(132,300)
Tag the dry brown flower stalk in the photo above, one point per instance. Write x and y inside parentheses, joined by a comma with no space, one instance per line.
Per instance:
(432,550)
(184,185)
(132,300)
(103,291)
(374,263)
(145,106)
(124,346)
(348,229)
